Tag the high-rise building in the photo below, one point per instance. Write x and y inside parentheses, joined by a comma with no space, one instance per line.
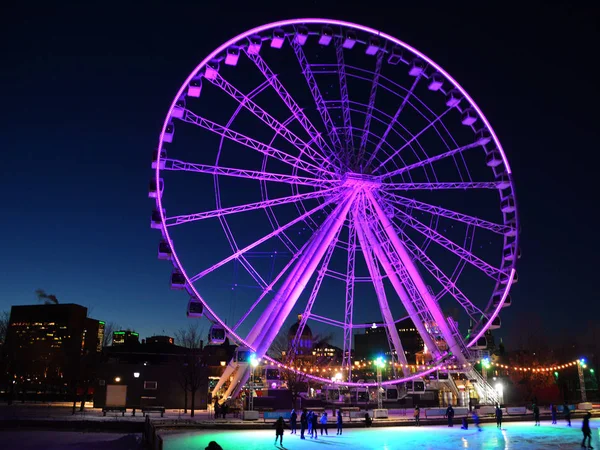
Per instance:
(45,343)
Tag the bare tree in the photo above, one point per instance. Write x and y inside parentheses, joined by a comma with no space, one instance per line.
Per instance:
(109,327)
(192,365)
(47,299)
(282,350)
(4,321)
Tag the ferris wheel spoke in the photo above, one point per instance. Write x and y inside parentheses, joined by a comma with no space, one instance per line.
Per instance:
(176,165)
(261,147)
(274,233)
(430,160)
(449,214)
(289,101)
(313,295)
(388,319)
(371,106)
(459,185)
(349,307)
(415,136)
(446,243)
(448,285)
(391,126)
(269,120)
(178,220)
(319,101)
(349,147)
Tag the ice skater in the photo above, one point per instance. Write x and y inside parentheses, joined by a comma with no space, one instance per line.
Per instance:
(303,423)
(293,420)
(315,424)
(498,416)
(309,422)
(368,420)
(339,422)
(465,423)
(567,413)
(536,415)
(279,425)
(553,412)
(476,421)
(417,414)
(323,421)
(450,415)
(587,433)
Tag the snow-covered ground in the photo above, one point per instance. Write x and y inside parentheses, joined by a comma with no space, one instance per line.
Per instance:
(513,435)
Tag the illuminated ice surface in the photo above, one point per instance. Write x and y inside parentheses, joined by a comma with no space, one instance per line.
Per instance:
(514,435)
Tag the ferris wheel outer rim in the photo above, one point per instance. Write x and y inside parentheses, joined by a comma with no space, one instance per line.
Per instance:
(395,40)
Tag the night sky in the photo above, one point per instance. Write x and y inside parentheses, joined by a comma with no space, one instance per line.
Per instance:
(85,88)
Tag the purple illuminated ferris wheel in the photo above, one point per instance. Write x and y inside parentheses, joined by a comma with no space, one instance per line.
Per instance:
(366,164)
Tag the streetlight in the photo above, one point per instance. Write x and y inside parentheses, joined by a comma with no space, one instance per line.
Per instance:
(379,363)
(580,366)
(253,364)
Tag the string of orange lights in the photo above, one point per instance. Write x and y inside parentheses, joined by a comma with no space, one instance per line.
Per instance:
(553,368)
(417,367)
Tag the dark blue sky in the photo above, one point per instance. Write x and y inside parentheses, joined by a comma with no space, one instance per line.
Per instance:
(84,90)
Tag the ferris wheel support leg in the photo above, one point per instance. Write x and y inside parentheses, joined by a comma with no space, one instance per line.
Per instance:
(432,305)
(224,377)
(287,296)
(375,274)
(261,323)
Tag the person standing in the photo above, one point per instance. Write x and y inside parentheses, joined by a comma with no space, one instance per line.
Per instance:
(303,423)
(567,413)
(450,415)
(339,422)
(553,412)
(309,422)
(536,414)
(315,424)
(417,414)
(279,425)
(587,433)
(324,423)
(293,420)
(498,416)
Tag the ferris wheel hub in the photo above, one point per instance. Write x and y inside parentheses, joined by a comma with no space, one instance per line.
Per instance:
(361,180)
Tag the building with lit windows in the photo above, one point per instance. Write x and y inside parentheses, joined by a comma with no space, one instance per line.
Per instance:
(373,342)
(45,343)
(125,337)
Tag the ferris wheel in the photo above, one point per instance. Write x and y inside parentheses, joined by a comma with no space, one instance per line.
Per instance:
(362,160)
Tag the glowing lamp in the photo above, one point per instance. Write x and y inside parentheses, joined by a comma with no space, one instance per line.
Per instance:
(253,360)
(117,379)
(136,374)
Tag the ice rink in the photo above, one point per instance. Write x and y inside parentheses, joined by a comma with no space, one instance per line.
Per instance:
(513,435)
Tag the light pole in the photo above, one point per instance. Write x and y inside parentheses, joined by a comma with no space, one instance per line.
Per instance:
(580,366)
(379,363)
(253,364)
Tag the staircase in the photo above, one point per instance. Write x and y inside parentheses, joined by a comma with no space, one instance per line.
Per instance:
(487,393)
